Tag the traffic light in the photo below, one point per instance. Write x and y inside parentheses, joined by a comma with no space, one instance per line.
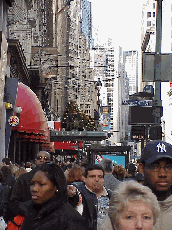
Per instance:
(156,133)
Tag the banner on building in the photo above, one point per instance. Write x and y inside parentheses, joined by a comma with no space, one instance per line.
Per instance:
(105,118)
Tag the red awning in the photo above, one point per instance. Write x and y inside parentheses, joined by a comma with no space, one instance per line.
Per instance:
(32,124)
(70,145)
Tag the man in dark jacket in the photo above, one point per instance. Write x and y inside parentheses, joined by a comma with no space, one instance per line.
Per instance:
(94,196)
(21,189)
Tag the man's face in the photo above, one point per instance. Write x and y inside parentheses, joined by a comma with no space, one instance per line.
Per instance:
(156,177)
(42,157)
(94,180)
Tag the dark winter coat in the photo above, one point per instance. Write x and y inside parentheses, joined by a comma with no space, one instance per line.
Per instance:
(90,203)
(55,214)
(20,193)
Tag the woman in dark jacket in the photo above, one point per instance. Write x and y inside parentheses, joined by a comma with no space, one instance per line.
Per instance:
(9,179)
(49,208)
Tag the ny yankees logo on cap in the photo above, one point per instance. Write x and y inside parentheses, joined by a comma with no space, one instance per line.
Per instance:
(161,147)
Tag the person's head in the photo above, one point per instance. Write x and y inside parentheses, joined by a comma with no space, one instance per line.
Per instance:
(28,165)
(6,161)
(76,173)
(156,165)
(131,169)
(107,165)
(48,182)
(119,171)
(69,166)
(133,206)
(42,157)
(6,171)
(94,177)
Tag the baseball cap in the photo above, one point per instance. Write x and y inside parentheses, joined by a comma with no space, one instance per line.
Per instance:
(155,150)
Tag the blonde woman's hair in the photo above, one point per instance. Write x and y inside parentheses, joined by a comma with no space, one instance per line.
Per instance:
(131,191)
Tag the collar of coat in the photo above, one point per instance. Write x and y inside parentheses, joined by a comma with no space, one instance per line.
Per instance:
(105,193)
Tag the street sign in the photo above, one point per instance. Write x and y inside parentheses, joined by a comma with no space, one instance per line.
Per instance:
(137,103)
(150,60)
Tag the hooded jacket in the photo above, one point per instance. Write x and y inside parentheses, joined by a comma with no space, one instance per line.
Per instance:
(55,214)
(164,221)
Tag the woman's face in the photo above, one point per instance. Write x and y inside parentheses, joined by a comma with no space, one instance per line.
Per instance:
(137,215)
(42,189)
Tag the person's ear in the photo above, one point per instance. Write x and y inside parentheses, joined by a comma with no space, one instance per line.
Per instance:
(141,168)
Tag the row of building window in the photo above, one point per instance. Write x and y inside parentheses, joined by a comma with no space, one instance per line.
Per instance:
(150,13)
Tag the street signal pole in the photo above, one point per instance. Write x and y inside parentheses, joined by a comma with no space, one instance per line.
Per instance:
(157,103)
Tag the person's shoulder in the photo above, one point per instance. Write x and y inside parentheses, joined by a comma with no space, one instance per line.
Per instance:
(68,210)
(111,177)
(105,224)
(27,175)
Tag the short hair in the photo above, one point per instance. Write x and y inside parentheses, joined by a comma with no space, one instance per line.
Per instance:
(91,167)
(106,164)
(56,175)
(131,191)
(6,160)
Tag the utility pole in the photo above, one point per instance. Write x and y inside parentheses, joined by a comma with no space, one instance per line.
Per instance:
(158,78)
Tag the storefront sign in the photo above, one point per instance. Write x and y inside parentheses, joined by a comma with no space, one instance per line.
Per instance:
(13,121)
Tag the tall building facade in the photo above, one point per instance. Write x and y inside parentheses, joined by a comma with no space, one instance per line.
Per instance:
(130,59)
(103,65)
(123,94)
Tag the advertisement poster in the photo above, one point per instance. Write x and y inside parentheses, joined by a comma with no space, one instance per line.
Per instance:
(115,159)
(105,118)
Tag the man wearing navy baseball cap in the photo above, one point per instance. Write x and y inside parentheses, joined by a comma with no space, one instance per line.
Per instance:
(156,166)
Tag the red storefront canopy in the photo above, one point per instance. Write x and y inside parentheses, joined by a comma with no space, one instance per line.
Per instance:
(32,124)
(70,145)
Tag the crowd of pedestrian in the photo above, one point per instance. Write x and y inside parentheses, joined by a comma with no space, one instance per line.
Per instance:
(47,194)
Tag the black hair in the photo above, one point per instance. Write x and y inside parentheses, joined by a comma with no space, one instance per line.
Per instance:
(91,167)
(6,171)
(56,175)
(6,160)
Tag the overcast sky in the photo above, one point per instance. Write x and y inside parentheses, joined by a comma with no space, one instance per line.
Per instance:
(121,21)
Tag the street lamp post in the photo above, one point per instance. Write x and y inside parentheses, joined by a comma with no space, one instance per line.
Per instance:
(98,87)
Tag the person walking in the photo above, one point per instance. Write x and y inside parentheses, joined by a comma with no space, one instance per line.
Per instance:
(110,181)
(156,166)
(48,208)
(21,190)
(94,196)
(132,207)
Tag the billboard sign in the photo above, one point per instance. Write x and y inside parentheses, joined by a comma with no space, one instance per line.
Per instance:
(116,159)
(105,118)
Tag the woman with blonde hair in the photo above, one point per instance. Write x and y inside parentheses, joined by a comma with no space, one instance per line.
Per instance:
(132,206)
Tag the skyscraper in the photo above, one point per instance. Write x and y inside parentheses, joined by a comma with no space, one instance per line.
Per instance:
(130,59)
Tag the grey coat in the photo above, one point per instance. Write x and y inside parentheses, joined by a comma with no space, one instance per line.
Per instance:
(110,182)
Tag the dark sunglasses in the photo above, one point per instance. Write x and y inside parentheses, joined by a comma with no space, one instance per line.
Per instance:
(44,158)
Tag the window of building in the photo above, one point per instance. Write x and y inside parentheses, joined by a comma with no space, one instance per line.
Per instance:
(153,14)
(148,14)
(148,23)
(154,5)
